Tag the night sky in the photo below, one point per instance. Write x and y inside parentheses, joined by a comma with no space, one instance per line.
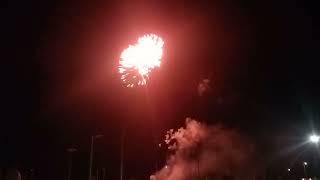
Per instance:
(60,81)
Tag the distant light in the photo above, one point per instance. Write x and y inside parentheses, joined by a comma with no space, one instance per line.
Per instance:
(314,138)
(289,169)
(166,166)
(305,163)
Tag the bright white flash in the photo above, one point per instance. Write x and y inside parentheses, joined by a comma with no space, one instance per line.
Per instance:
(314,138)
(137,61)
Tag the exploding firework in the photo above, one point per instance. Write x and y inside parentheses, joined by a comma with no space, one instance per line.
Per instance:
(137,61)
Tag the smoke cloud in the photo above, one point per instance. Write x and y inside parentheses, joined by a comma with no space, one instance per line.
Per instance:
(206,152)
(203,87)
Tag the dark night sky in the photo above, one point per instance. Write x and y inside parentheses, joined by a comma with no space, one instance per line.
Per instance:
(60,83)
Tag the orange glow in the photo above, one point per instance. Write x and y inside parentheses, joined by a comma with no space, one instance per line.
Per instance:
(137,61)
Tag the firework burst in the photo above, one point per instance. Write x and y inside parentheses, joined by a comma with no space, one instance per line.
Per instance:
(137,61)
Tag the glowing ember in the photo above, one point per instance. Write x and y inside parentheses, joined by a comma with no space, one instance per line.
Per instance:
(137,61)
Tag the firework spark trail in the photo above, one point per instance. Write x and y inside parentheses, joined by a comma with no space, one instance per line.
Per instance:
(137,61)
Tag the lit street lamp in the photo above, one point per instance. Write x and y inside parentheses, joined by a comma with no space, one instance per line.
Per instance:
(288,172)
(91,153)
(314,139)
(304,168)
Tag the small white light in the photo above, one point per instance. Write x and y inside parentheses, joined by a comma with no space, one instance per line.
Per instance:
(314,138)
(305,163)
(289,169)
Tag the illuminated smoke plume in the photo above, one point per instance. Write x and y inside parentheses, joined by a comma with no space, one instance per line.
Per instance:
(206,152)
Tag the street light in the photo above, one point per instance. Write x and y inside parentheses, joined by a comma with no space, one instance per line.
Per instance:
(288,172)
(304,168)
(70,151)
(91,153)
(314,138)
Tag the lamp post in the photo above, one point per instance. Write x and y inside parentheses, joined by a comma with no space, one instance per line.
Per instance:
(304,168)
(288,173)
(70,151)
(103,173)
(91,153)
(122,153)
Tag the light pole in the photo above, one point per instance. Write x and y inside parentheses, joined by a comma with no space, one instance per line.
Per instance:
(304,168)
(122,153)
(91,153)
(70,151)
(288,172)
(103,173)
